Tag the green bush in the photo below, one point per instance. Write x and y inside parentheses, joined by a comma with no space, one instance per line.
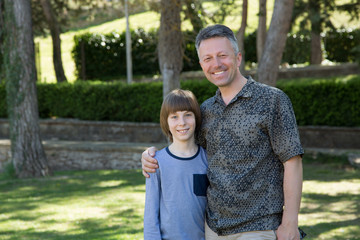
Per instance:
(326,102)
(341,45)
(331,103)
(297,48)
(105,55)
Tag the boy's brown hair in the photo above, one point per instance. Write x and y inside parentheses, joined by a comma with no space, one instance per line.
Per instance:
(179,100)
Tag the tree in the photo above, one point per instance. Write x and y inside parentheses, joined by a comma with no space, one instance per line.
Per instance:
(261,31)
(240,35)
(224,8)
(170,44)
(2,75)
(316,16)
(275,42)
(27,151)
(55,36)
(193,12)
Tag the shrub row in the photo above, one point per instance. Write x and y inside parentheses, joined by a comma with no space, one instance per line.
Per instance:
(105,55)
(326,103)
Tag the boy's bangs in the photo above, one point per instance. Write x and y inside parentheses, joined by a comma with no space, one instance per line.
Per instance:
(180,104)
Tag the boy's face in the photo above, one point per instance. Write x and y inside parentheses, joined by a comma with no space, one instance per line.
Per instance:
(182,126)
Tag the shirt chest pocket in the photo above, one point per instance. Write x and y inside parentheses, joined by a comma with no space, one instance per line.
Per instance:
(201,183)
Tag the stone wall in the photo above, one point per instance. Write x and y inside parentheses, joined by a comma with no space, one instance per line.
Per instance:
(84,155)
(87,145)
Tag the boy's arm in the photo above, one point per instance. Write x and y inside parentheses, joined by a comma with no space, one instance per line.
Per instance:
(148,162)
(152,208)
(288,228)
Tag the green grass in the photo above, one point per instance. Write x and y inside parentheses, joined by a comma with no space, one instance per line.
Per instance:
(73,205)
(109,204)
(330,207)
(146,20)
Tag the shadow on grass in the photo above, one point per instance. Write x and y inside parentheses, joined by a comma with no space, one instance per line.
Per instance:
(323,201)
(19,197)
(313,232)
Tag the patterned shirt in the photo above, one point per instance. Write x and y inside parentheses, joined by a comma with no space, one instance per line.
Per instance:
(247,142)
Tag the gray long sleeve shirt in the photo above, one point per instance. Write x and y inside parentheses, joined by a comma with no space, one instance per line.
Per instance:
(176,197)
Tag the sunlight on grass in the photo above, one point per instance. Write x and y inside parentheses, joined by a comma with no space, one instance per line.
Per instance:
(81,205)
(330,204)
(109,204)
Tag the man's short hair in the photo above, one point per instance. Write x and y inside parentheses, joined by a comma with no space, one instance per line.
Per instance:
(214,31)
(179,100)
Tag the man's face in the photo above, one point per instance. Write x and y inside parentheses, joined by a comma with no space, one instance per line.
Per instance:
(218,61)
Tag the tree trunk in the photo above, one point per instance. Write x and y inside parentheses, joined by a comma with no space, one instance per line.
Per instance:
(170,44)
(27,151)
(275,42)
(261,31)
(315,18)
(55,36)
(241,35)
(2,74)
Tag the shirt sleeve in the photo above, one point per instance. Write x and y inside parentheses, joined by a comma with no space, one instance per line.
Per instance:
(152,207)
(283,130)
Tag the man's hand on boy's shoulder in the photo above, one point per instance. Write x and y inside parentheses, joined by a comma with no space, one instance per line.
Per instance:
(148,162)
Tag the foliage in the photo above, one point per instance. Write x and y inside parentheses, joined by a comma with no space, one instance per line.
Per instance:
(318,13)
(60,9)
(328,102)
(341,44)
(105,55)
(297,49)
(331,102)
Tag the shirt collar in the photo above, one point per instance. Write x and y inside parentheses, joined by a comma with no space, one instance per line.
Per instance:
(244,93)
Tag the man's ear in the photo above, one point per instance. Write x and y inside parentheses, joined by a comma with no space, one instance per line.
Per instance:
(239,59)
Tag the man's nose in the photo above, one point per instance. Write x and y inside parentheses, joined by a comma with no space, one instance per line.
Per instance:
(217,61)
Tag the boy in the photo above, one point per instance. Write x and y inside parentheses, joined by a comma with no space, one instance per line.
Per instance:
(176,192)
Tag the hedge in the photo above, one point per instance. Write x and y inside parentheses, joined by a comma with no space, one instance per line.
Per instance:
(105,55)
(327,102)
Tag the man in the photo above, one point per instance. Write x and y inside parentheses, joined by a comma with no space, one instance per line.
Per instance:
(254,153)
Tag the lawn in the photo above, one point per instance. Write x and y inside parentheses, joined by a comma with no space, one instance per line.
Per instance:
(109,204)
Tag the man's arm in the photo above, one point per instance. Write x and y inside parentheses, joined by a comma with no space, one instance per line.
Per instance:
(148,162)
(288,230)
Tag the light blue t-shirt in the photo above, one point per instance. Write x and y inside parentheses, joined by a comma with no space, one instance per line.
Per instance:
(176,197)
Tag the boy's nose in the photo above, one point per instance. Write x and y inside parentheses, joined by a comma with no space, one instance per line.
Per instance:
(181,121)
